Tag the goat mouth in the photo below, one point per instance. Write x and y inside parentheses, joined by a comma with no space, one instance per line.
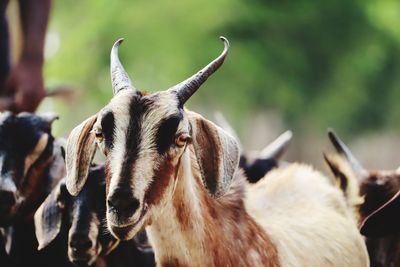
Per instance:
(81,263)
(85,259)
(125,232)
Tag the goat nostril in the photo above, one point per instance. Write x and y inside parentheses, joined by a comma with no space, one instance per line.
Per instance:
(79,244)
(123,201)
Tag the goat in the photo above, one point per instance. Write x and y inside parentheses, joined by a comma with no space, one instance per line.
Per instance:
(31,163)
(376,188)
(256,164)
(173,172)
(383,221)
(78,221)
(383,225)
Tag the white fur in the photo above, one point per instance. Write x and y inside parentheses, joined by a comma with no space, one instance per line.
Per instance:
(120,107)
(6,183)
(307,219)
(171,242)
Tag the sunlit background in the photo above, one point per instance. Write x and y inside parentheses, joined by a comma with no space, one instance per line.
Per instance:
(303,65)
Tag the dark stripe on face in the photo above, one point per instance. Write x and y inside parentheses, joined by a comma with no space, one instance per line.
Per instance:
(137,109)
(108,126)
(166,132)
(161,178)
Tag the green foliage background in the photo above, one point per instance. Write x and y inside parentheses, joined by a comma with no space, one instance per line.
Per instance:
(318,63)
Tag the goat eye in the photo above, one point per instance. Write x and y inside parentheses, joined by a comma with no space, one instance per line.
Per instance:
(98,133)
(181,139)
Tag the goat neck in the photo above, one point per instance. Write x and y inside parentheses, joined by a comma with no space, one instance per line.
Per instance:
(196,229)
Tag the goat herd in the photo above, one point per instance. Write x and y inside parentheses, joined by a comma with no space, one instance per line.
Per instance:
(177,190)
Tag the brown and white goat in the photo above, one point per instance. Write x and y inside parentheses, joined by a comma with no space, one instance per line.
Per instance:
(31,163)
(175,173)
(375,188)
(256,164)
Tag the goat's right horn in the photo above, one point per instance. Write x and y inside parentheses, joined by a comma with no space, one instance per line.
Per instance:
(342,149)
(119,78)
(188,87)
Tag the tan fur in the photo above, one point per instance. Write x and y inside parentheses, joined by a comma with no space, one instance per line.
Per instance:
(352,189)
(195,229)
(192,200)
(35,154)
(307,219)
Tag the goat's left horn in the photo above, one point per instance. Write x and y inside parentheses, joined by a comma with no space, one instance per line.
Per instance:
(188,87)
(119,78)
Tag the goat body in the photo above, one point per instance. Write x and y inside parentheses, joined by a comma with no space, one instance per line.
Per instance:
(195,229)
(296,212)
(305,215)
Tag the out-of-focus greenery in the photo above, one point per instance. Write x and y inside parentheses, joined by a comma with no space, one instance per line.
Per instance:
(319,63)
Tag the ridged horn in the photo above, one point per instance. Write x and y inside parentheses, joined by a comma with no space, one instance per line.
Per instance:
(188,87)
(119,78)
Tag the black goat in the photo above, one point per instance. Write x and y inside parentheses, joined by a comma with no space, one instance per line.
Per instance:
(30,164)
(77,225)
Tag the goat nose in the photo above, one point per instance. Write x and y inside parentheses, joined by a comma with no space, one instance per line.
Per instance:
(123,201)
(80,242)
(7,199)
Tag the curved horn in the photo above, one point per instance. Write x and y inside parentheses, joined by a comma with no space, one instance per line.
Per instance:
(342,149)
(119,78)
(188,87)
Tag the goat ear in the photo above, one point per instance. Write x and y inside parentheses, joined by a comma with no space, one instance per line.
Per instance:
(217,153)
(48,218)
(338,173)
(224,124)
(81,147)
(383,221)
(48,119)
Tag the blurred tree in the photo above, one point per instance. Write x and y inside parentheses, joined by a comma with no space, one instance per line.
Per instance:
(320,63)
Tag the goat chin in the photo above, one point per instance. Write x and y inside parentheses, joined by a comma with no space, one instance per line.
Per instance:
(128,231)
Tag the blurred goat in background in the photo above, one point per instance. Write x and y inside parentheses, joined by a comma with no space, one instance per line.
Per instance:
(31,163)
(377,188)
(256,164)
